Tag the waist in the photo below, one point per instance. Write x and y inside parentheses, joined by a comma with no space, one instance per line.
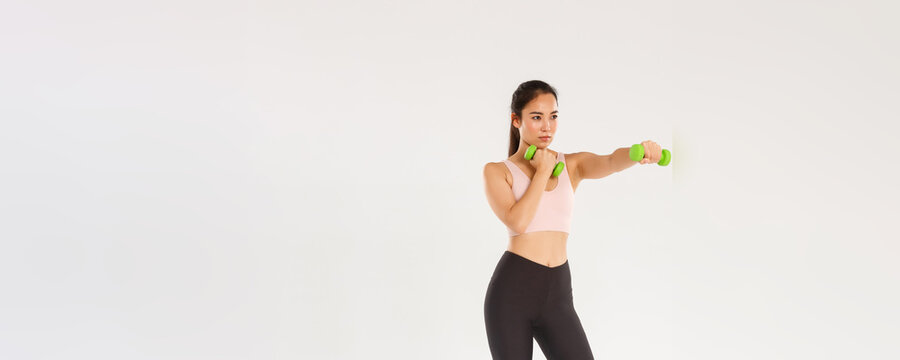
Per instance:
(544,247)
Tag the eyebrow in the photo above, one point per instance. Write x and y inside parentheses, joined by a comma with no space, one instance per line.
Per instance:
(540,113)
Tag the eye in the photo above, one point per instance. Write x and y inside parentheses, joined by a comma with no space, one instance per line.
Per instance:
(555,116)
(536,117)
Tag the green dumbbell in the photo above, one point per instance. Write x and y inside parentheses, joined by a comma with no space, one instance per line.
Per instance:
(556,170)
(637,153)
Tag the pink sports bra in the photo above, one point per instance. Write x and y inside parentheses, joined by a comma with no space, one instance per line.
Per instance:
(554,212)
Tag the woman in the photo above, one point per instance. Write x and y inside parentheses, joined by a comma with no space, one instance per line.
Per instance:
(530,292)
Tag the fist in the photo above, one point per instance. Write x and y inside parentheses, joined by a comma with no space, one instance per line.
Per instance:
(543,161)
(652,152)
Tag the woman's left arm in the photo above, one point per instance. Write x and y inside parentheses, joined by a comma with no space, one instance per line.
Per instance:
(593,166)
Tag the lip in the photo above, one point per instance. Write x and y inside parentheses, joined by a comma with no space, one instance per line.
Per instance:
(544,138)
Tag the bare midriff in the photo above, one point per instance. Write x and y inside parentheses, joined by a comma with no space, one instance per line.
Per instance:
(547,248)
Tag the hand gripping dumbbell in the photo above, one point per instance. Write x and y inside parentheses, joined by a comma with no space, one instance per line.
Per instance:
(637,154)
(559,166)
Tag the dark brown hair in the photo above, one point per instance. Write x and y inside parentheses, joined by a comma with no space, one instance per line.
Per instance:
(526,92)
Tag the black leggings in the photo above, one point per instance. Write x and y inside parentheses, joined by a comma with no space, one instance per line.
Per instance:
(528,300)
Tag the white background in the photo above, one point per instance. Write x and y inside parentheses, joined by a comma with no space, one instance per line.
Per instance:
(303,180)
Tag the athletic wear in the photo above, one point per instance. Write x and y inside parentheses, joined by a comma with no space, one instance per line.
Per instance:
(554,212)
(528,300)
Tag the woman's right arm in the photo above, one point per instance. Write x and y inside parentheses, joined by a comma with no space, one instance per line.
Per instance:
(515,214)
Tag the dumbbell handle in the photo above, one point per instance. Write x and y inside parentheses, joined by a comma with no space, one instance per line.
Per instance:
(556,170)
(637,153)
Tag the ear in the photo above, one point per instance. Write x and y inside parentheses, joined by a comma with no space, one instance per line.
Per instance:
(515,120)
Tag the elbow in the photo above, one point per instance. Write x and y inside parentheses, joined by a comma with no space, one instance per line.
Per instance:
(516,221)
(518,226)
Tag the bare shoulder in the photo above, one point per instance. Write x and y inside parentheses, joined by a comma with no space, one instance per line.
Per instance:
(572,166)
(497,170)
(574,157)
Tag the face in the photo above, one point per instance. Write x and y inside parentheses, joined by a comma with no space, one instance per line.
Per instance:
(538,123)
